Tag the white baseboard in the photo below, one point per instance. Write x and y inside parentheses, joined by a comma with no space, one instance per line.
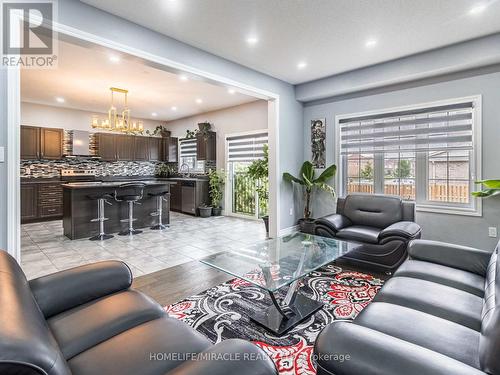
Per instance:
(289,230)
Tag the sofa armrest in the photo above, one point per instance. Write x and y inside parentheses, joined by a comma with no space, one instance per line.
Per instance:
(348,348)
(232,356)
(335,222)
(66,289)
(456,256)
(407,230)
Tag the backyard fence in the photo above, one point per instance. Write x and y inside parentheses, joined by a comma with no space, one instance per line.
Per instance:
(245,195)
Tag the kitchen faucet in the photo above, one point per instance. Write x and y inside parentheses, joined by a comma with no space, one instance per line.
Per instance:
(183,167)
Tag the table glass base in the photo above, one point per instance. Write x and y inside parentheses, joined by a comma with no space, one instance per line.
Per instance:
(272,320)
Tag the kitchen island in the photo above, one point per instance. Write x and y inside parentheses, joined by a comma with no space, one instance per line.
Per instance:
(79,209)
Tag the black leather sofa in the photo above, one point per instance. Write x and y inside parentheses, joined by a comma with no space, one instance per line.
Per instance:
(438,314)
(382,224)
(87,320)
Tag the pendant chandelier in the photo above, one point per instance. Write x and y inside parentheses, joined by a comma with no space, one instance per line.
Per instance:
(117,121)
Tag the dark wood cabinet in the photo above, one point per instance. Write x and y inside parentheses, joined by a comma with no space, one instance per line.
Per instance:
(41,143)
(29,202)
(125,147)
(30,142)
(170,149)
(51,143)
(141,148)
(176,197)
(155,149)
(106,146)
(206,146)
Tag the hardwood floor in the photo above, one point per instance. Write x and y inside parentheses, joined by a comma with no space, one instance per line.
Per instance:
(176,283)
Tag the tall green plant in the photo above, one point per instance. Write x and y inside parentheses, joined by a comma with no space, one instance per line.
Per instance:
(310,182)
(492,188)
(216,182)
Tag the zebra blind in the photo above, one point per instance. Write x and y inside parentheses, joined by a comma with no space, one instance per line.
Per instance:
(187,147)
(439,128)
(246,147)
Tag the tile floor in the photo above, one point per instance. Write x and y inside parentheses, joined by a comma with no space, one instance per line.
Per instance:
(44,248)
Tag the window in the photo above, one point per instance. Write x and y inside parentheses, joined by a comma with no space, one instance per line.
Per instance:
(187,157)
(429,154)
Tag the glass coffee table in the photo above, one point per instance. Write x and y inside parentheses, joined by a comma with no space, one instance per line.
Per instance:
(276,263)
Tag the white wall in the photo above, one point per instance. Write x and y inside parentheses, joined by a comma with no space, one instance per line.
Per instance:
(241,118)
(66,118)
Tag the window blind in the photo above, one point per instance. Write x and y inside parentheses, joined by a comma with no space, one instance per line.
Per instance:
(246,147)
(187,147)
(439,128)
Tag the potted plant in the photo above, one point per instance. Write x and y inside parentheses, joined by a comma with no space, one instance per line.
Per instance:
(492,189)
(204,129)
(205,210)
(259,171)
(160,129)
(164,170)
(216,182)
(308,180)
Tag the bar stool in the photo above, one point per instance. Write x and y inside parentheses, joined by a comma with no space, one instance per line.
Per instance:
(131,193)
(101,200)
(160,197)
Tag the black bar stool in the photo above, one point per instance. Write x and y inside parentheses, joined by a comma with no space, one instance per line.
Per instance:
(131,193)
(160,198)
(101,200)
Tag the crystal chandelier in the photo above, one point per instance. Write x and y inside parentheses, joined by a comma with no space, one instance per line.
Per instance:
(118,122)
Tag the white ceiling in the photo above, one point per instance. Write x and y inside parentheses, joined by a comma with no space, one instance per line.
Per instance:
(85,73)
(329,35)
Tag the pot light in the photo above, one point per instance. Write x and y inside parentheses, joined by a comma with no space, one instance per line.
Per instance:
(114,59)
(174,108)
(60,99)
(252,40)
(199,101)
(477,9)
(183,77)
(231,91)
(154,114)
(301,65)
(371,43)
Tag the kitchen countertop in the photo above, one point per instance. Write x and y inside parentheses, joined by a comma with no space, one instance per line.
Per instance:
(39,180)
(111,184)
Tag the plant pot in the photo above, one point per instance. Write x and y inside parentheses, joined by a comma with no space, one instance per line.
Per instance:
(165,133)
(204,126)
(265,219)
(205,211)
(216,211)
(307,225)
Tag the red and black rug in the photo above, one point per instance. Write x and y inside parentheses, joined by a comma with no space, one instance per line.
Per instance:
(221,313)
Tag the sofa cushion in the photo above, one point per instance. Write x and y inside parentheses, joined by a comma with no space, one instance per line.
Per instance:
(428,331)
(359,233)
(373,210)
(144,349)
(85,326)
(436,299)
(463,280)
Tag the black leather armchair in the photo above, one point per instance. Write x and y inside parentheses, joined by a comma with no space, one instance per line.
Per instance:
(381,224)
(87,320)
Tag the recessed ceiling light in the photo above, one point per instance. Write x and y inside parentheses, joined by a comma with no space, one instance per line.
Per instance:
(154,114)
(174,108)
(183,77)
(371,43)
(477,9)
(114,58)
(199,101)
(231,91)
(301,65)
(60,100)
(252,40)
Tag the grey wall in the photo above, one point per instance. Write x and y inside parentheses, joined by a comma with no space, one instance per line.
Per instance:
(3,166)
(452,228)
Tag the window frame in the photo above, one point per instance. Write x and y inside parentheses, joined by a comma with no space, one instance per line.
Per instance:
(180,163)
(474,208)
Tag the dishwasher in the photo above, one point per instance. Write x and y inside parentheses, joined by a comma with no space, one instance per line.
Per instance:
(189,197)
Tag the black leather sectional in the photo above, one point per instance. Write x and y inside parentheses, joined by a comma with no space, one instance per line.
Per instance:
(437,315)
(87,320)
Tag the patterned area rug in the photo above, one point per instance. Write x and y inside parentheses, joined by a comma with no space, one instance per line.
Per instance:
(221,313)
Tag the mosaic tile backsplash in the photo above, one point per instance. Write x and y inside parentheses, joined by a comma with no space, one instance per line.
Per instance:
(52,168)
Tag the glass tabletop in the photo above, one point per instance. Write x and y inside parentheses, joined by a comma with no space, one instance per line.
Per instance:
(274,263)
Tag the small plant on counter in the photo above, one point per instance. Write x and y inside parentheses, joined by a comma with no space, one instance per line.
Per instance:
(216,181)
(164,170)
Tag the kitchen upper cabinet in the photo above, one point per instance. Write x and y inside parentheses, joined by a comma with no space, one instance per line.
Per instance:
(206,147)
(125,149)
(170,149)
(51,143)
(30,142)
(41,143)
(155,149)
(29,202)
(106,146)
(141,148)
